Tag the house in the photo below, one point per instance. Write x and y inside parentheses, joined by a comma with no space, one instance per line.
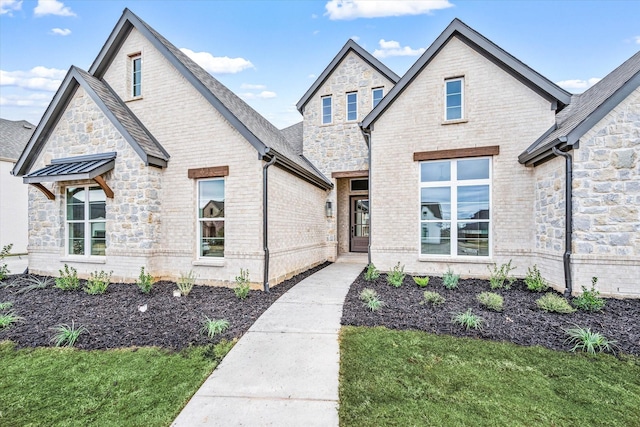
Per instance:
(147,160)
(14,136)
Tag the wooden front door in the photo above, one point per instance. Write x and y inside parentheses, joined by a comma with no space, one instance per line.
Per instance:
(359,222)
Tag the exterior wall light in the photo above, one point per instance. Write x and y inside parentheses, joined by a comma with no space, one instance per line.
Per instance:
(328,209)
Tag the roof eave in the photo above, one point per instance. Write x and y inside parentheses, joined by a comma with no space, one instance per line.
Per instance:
(285,163)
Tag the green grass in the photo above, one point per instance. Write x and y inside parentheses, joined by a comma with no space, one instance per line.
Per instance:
(70,387)
(410,378)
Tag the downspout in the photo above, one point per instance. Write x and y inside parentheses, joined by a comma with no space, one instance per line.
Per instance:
(367,137)
(265,224)
(568,232)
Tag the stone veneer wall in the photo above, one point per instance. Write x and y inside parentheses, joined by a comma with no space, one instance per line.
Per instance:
(133,215)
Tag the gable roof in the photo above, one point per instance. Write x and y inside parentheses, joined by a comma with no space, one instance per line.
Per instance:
(350,46)
(585,111)
(257,130)
(489,50)
(294,135)
(131,129)
(14,136)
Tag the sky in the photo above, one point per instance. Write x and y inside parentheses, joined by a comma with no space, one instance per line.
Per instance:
(271,52)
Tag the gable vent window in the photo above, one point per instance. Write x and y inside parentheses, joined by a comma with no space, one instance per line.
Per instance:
(454,99)
(136,76)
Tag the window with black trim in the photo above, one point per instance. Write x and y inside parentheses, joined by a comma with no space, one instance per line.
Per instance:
(136,76)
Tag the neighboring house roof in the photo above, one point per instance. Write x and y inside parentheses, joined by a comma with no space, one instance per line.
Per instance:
(489,50)
(585,111)
(350,46)
(294,136)
(14,136)
(260,133)
(132,130)
(71,168)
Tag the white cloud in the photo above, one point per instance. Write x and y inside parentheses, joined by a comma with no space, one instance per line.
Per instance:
(7,7)
(578,85)
(52,7)
(311,76)
(637,39)
(218,64)
(60,31)
(38,78)
(353,9)
(248,86)
(393,48)
(355,38)
(316,32)
(31,100)
(265,94)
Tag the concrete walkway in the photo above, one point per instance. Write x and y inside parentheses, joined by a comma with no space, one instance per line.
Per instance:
(284,370)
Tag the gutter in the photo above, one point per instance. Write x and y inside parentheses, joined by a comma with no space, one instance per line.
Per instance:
(568,205)
(366,132)
(265,223)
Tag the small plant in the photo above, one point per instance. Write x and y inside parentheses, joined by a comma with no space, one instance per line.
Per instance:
(421,281)
(396,276)
(68,280)
(534,280)
(433,297)
(7,318)
(144,282)
(186,282)
(491,300)
(213,327)
(450,280)
(590,299)
(585,340)
(4,270)
(554,303)
(5,305)
(468,320)
(98,283)
(372,273)
(500,276)
(242,284)
(30,283)
(371,299)
(66,336)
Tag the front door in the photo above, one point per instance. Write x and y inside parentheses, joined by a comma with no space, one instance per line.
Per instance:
(359,222)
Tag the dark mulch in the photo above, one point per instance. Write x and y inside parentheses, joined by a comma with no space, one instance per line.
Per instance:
(113,319)
(521,322)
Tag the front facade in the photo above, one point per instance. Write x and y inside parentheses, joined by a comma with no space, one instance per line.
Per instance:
(147,160)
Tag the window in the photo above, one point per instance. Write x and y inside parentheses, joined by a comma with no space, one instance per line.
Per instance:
(376,95)
(86,213)
(211,217)
(326,110)
(352,106)
(136,76)
(454,99)
(455,207)
(360,185)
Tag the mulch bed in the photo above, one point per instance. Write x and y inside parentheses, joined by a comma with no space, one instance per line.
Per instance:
(521,322)
(114,320)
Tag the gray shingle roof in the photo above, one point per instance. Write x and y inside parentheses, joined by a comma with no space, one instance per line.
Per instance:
(586,110)
(294,136)
(14,136)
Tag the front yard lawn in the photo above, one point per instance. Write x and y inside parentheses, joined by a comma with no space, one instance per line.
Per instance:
(409,378)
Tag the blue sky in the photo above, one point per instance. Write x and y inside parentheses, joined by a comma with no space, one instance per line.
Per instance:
(269,52)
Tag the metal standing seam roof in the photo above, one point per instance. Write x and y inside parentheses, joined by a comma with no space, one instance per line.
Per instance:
(72,168)
(586,110)
(262,134)
(14,136)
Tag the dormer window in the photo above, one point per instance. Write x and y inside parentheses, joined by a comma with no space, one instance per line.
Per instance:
(136,76)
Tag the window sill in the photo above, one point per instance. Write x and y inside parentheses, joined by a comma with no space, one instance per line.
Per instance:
(462,260)
(136,98)
(85,260)
(454,122)
(209,262)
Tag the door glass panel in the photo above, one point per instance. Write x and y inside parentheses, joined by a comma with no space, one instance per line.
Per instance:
(436,203)
(473,238)
(473,202)
(435,238)
(361,218)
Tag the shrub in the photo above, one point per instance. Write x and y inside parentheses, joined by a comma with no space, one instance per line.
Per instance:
(585,340)
(534,280)
(186,282)
(491,300)
(98,283)
(371,300)
(450,280)
(68,280)
(144,282)
(554,303)
(433,297)
(500,276)
(421,281)
(590,299)
(242,284)
(29,283)
(396,276)
(213,327)
(67,335)
(372,273)
(468,320)
(4,270)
